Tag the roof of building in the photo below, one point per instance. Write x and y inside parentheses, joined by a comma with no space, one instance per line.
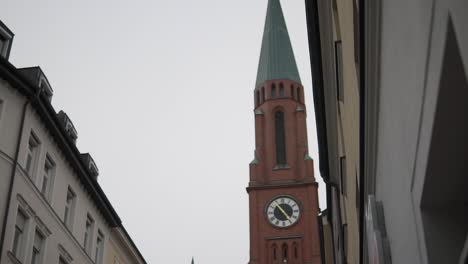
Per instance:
(48,115)
(276,57)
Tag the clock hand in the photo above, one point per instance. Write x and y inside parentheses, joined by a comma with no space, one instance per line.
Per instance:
(281,209)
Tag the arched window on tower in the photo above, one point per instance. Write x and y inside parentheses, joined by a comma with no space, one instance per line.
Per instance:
(257,98)
(299,94)
(273,90)
(296,254)
(292,92)
(281,90)
(274,252)
(263,94)
(280,138)
(284,251)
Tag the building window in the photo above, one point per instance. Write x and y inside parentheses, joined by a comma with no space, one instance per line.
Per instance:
(356,31)
(99,248)
(343,175)
(2,103)
(88,234)
(2,44)
(296,254)
(257,98)
(357,192)
(281,90)
(292,92)
(273,90)
(19,235)
(62,260)
(274,253)
(48,177)
(280,138)
(299,94)
(32,153)
(339,71)
(69,208)
(344,230)
(284,250)
(263,95)
(38,248)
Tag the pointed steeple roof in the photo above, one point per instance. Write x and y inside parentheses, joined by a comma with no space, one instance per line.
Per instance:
(277,57)
(193,262)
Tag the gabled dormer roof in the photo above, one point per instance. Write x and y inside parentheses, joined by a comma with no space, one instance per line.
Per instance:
(277,57)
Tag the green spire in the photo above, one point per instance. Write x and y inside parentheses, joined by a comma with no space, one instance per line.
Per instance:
(193,262)
(277,57)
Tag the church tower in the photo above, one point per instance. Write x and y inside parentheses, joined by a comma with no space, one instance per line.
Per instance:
(283,199)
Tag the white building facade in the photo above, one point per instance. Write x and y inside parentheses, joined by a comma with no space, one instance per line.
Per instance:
(52,209)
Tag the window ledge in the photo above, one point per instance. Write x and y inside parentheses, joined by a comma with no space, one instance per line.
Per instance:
(13,258)
(281,167)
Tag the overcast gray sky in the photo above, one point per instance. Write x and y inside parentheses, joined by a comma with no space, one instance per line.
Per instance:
(161,93)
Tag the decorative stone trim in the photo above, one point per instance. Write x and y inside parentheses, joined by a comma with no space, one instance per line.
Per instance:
(24,206)
(12,258)
(64,253)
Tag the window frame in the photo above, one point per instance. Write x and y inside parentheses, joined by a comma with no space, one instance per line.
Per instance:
(32,155)
(98,254)
(69,210)
(18,242)
(41,250)
(88,236)
(49,167)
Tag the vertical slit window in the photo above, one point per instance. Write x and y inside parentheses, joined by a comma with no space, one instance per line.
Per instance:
(280,138)
(263,95)
(339,71)
(299,94)
(343,175)
(356,31)
(2,103)
(284,250)
(281,90)
(257,98)
(273,91)
(274,252)
(292,92)
(295,250)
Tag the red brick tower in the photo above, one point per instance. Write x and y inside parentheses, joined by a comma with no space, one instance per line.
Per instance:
(282,190)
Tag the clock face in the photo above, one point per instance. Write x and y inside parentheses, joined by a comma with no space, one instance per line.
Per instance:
(283,211)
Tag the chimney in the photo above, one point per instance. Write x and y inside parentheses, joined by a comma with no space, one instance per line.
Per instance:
(67,124)
(90,165)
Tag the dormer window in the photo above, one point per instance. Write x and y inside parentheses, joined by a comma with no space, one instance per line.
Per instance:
(2,42)
(6,39)
(46,88)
